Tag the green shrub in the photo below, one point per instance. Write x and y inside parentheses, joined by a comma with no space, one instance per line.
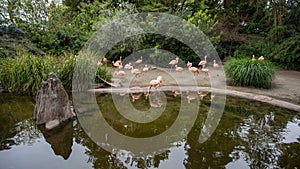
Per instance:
(287,53)
(103,73)
(24,74)
(65,71)
(245,72)
(257,47)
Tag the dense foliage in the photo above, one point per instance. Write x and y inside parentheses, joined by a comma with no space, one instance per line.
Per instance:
(245,72)
(230,24)
(237,28)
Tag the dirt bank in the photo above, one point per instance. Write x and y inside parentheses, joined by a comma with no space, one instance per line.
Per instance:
(285,86)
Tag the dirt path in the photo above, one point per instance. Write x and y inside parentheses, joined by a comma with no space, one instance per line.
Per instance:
(285,85)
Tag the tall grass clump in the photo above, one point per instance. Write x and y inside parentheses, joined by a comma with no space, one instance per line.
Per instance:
(245,72)
(23,74)
(65,71)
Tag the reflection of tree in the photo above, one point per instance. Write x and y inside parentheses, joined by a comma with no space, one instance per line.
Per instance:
(24,132)
(213,153)
(290,156)
(257,137)
(260,138)
(103,159)
(14,120)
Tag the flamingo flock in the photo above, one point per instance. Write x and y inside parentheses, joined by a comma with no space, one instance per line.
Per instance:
(261,58)
(139,67)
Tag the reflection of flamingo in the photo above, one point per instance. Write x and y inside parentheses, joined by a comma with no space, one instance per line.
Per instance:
(136,96)
(202,94)
(156,83)
(173,62)
(212,96)
(191,97)
(155,100)
(203,62)
(177,92)
(146,95)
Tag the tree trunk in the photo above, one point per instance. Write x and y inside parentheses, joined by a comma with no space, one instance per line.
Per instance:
(275,14)
(280,13)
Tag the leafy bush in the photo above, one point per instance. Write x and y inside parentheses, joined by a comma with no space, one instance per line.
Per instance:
(287,53)
(24,74)
(257,47)
(245,72)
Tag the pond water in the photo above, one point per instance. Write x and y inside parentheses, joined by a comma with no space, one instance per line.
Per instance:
(249,135)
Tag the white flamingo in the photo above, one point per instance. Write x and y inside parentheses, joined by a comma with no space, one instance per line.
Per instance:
(216,65)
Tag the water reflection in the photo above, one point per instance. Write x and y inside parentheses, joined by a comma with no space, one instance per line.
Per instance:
(249,135)
(60,139)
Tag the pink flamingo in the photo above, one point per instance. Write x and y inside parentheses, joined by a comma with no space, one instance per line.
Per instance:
(104,60)
(189,64)
(178,69)
(117,63)
(136,72)
(136,96)
(205,70)
(139,60)
(156,83)
(261,58)
(128,66)
(194,70)
(145,69)
(203,62)
(174,62)
(177,92)
(120,73)
(99,63)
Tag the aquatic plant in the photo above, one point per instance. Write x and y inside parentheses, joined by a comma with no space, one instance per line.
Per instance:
(245,72)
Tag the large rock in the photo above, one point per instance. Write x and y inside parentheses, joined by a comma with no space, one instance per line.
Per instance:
(52,103)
